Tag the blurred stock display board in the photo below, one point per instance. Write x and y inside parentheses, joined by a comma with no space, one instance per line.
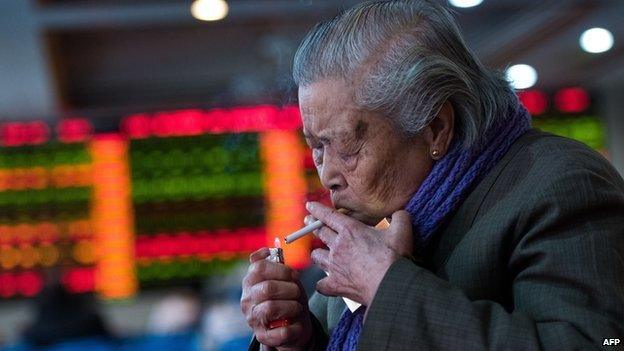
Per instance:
(170,199)
(565,112)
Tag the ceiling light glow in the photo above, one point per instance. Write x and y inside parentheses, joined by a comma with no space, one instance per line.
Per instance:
(465,3)
(596,40)
(209,10)
(521,76)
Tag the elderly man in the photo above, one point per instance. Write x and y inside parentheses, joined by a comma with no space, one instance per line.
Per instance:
(500,236)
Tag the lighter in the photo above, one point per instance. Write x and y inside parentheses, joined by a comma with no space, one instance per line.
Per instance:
(276,254)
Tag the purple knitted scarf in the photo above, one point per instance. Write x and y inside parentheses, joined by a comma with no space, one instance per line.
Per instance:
(451,179)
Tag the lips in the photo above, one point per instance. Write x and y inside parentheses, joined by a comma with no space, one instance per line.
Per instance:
(339,202)
(355,214)
(335,199)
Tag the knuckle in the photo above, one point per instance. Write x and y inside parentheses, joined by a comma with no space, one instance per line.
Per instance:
(269,307)
(250,320)
(244,302)
(256,311)
(258,267)
(267,290)
(350,228)
(247,278)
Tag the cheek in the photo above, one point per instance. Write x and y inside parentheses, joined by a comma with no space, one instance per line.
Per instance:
(386,180)
(384,184)
(374,177)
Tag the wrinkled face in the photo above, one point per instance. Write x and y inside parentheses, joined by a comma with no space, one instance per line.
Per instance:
(366,163)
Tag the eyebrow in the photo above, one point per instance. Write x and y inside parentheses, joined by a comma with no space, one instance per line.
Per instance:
(308,137)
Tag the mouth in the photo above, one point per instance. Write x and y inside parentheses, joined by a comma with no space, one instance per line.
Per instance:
(339,204)
(357,215)
(338,201)
(354,211)
(348,210)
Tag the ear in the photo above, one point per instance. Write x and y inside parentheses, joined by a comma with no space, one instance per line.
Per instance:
(439,132)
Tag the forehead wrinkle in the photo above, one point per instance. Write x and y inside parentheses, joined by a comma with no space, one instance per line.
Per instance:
(328,109)
(329,124)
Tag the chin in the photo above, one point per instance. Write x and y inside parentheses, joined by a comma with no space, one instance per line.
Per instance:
(365,218)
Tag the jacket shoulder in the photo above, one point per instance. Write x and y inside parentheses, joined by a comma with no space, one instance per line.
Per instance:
(551,166)
(551,157)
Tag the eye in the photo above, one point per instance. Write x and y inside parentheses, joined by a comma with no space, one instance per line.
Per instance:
(317,155)
(348,153)
(345,157)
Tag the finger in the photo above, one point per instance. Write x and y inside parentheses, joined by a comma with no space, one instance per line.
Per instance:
(275,290)
(331,217)
(264,270)
(320,257)
(260,254)
(307,220)
(271,310)
(400,236)
(327,236)
(326,286)
(280,336)
(401,221)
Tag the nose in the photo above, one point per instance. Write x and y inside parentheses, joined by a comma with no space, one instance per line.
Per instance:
(330,174)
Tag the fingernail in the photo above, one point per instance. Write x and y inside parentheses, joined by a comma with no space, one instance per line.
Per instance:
(307,205)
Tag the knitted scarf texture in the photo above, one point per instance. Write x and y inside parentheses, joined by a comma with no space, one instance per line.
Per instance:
(448,184)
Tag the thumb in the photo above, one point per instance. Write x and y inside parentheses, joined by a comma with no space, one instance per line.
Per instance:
(400,237)
(325,287)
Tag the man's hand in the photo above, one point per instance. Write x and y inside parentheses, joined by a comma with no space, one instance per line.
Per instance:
(358,255)
(272,291)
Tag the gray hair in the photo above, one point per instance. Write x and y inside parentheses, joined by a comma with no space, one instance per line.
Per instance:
(406,59)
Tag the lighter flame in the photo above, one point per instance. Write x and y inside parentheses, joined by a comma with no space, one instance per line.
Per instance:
(278,242)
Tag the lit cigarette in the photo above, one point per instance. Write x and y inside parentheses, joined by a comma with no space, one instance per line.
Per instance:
(309,228)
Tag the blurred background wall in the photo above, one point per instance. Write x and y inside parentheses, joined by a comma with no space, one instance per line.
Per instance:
(145,151)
